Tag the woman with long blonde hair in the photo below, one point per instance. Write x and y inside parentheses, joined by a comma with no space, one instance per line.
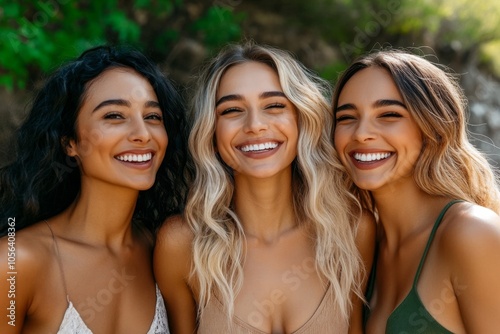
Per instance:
(400,131)
(267,243)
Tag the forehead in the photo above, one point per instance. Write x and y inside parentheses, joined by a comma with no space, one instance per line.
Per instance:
(119,83)
(371,83)
(249,77)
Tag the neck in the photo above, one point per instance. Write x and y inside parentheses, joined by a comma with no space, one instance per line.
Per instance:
(265,206)
(405,210)
(102,214)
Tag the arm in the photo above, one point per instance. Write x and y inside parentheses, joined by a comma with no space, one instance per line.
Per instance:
(365,242)
(474,248)
(172,265)
(16,266)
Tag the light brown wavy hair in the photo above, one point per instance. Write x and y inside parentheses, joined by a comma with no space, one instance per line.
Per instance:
(448,165)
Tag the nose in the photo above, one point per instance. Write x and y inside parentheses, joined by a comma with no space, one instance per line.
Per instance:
(365,130)
(139,131)
(255,121)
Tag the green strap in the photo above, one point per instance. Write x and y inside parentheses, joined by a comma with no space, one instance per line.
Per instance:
(431,237)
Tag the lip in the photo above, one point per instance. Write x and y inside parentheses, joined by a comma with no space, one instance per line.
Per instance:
(267,148)
(374,158)
(134,158)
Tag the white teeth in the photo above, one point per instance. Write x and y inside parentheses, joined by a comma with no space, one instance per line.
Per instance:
(367,157)
(259,147)
(135,157)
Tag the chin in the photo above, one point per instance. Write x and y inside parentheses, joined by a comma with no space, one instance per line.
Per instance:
(366,185)
(142,186)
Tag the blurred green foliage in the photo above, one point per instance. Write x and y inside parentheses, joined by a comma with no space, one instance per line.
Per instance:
(218,26)
(38,35)
(456,30)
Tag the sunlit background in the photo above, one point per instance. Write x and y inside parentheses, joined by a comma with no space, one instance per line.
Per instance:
(39,35)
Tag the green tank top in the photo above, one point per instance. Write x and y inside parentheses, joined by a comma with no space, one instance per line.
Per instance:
(411,316)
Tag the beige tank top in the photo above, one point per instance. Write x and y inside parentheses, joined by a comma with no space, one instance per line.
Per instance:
(325,320)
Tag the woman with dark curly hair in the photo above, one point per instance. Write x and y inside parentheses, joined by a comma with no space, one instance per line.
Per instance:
(100,163)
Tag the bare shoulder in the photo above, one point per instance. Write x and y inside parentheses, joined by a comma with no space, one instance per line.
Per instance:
(172,263)
(469,244)
(469,224)
(24,255)
(30,248)
(174,234)
(470,239)
(173,249)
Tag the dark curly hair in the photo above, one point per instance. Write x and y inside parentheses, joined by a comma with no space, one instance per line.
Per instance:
(42,181)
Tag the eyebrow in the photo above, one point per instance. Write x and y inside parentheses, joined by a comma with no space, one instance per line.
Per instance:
(232,97)
(237,97)
(124,103)
(272,94)
(385,103)
(376,104)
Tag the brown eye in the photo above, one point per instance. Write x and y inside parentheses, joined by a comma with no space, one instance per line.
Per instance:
(344,118)
(275,105)
(113,115)
(229,110)
(154,116)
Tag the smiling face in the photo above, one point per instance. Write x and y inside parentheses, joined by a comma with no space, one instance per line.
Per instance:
(377,139)
(121,135)
(256,125)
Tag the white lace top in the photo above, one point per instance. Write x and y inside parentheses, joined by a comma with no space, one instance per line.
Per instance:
(72,322)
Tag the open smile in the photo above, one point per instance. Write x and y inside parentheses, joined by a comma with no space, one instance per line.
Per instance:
(262,147)
(370,157)
(138,158)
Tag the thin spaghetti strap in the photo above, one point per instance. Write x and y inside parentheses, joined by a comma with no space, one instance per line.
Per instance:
(431,237)
(59,261)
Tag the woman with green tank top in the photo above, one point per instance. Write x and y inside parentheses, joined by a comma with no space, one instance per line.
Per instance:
(400,131)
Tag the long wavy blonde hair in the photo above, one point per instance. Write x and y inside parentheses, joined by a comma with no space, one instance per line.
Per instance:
(448,165)
(319,197)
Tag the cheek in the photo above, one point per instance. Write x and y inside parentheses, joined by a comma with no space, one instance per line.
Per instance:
(338,141)
(288,126)
(162,139)
(416,140)
(162,147)
(224,133)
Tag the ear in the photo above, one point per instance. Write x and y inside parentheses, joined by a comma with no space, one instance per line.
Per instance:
(69,146)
